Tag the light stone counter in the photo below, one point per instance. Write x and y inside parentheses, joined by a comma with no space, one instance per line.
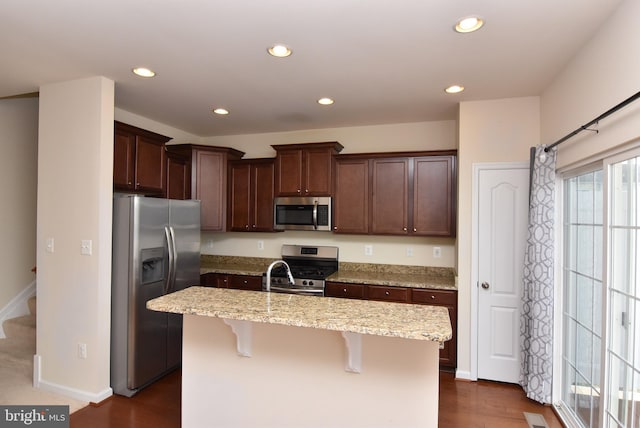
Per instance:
(400,320)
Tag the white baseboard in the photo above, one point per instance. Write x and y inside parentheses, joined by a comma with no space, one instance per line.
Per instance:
(74,393)
(17,307)
(460,374)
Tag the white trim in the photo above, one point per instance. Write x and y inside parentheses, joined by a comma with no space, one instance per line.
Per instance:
(74,393)
(17,306)
(475,253)
(463,374)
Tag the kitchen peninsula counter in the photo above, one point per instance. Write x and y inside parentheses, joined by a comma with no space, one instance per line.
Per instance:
(259,359)
(417,322)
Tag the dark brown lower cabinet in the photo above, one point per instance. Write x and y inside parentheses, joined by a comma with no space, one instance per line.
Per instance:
(223,280)
(421,296)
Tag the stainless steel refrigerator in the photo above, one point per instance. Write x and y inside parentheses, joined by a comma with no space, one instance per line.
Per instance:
(156,250)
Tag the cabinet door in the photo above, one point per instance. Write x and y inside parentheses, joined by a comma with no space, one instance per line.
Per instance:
(178,177)
(209,182)
(239,197)
(448,299)
(351,197)
(262,199)
(123,160)
(149,165)
(433,196)
(390,188)
(317,172)
(289,173)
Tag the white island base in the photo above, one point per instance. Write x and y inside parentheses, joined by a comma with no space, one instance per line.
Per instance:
(297,377)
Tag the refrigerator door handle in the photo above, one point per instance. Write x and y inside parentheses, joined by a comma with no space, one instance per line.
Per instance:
(175,259)
(170,249)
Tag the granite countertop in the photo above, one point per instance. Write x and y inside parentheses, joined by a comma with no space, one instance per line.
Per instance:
(420,322)
(356,273)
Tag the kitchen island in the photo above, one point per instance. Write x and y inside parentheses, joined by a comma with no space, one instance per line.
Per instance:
(256,359)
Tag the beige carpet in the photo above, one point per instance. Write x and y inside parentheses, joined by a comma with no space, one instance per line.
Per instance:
(16,366)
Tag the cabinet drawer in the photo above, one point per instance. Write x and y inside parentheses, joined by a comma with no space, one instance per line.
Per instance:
(433,297)
(389,294)
(340,289)
(245,282)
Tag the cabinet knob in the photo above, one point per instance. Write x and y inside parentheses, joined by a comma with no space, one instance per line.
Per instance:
(246,226)
(415,230)
(433,297)
(137,184)
(129,183)
(298,190)
(306,190)
(386,293)
(245,281)
(404,229)
(254,226)
(344,290)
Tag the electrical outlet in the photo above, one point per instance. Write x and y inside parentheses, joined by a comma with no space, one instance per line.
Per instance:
(260,245)
(368,250)
(437,252)
(82,350)
(409,251)
(210,244)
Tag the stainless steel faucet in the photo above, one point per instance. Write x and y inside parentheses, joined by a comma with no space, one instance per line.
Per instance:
(291,280)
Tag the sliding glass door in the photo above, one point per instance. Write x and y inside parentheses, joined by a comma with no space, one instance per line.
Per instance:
(623,347)
(600,379)
(582,308)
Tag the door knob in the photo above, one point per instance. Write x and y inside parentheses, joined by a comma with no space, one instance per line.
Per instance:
(485,285)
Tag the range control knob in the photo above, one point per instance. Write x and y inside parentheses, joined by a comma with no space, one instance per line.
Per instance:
(304,282)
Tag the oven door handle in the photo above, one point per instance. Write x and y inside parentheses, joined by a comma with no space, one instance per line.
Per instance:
(296,290)
(315,214)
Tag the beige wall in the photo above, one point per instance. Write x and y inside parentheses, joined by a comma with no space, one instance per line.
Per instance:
(489,131)
(75,169)
(18,181)
(604,73)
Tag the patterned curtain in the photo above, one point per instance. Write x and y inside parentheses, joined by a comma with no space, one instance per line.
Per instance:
(536,326)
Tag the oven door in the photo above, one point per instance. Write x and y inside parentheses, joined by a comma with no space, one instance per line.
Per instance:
(302,213)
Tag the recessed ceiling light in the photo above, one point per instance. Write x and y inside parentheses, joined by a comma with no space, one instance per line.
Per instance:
(469,24)
(279,51)
(454,89)
(325,101)
(221,111)
(143,72)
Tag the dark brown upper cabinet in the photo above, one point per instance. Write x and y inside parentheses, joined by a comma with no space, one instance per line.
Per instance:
(250,196)
(208,169)
(305,169)
(138,160)
(396,194)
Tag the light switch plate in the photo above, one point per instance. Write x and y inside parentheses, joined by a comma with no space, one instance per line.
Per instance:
(85,247)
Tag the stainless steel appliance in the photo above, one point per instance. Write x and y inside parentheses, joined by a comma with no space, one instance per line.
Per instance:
(302,213)
(156,250)
(310,266)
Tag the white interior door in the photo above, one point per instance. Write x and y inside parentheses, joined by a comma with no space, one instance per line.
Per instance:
(502,225)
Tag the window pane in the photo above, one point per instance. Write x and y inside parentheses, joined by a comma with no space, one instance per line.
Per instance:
(584,262)
(585,301)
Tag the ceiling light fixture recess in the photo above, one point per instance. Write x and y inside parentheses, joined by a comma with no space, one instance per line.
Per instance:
(469,24)
(143,72)
(279,51)
(220,111)
(325,101)
(454,89)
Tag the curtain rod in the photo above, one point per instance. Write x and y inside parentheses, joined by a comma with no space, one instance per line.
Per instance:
(596,120)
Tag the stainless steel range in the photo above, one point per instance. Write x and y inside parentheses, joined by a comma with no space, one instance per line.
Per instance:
(310,266)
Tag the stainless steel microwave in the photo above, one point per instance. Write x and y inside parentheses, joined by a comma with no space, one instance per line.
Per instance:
(302,213)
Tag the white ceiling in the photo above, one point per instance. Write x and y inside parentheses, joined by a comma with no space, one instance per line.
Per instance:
(383,61)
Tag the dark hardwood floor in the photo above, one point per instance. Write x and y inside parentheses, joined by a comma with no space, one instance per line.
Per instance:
(463,404)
